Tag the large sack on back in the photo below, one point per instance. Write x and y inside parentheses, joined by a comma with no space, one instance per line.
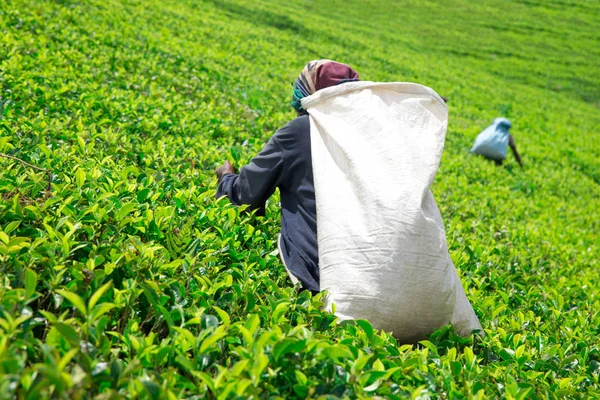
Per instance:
(492,142)
(382,245)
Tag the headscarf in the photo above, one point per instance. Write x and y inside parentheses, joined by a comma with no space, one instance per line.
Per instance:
(503,123)
(320,74)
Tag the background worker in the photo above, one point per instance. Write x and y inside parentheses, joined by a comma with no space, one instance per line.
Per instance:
(493,142)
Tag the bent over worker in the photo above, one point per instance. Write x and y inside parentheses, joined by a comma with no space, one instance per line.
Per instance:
(493,142)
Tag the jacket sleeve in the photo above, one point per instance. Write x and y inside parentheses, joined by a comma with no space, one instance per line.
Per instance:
(257,181)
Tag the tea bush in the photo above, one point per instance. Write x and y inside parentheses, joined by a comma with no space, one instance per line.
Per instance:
(122,276)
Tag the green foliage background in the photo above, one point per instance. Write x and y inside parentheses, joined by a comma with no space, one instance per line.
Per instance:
(120,275)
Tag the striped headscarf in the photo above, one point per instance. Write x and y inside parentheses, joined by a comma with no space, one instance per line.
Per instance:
(320,74)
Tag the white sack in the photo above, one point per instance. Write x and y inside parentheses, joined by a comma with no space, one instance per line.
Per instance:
(383,255)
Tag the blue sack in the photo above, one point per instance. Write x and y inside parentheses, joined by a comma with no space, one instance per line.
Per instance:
(492,142)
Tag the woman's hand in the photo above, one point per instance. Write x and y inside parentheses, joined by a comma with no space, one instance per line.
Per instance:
(226,168)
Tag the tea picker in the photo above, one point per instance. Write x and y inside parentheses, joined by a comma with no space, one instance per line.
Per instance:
(492,143)
(358,162)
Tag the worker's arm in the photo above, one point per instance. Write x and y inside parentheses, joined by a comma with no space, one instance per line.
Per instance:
(513,147)
(256,182)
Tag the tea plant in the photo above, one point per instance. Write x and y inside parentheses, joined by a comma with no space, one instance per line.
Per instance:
(122,276)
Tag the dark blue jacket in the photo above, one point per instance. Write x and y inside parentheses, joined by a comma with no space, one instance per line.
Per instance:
(284,163)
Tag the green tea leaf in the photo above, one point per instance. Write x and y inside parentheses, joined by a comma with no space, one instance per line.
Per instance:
(74,299)
(152,388)
(96,296)
(124,210)
(80,176)
(223,315)
(366,326)
(69,333)
(31,279)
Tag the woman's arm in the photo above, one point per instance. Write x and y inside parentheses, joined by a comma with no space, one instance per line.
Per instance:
(257,181)
(513,147)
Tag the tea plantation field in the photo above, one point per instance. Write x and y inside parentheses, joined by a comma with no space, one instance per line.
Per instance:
(122,276)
